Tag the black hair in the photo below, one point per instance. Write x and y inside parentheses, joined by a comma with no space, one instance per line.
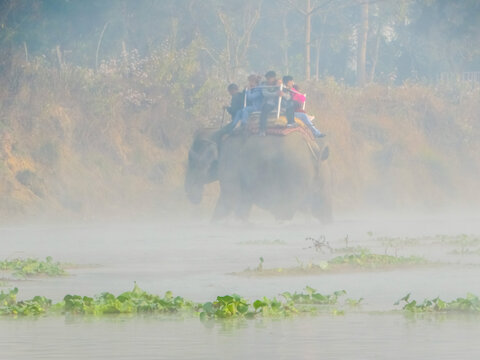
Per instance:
(270,74)
(286,79)
(232,87)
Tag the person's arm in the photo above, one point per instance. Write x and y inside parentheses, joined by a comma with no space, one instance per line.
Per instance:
(287,95)
(230,108)
(298,96)
(270,91)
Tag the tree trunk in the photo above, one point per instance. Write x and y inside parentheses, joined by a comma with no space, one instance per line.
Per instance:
(318,44)
(375,56)
(99,44)
(59,56)
(308,30)
(362,45)
(285,42)
(26,51)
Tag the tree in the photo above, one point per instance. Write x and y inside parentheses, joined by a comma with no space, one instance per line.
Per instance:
(237,38)
(362,37)
(308,8)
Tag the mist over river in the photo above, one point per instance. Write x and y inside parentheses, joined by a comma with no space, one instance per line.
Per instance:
(198,261)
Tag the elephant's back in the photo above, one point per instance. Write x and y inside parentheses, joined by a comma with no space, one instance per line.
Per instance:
(284,150)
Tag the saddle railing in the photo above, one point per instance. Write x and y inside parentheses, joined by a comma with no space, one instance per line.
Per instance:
(279,98)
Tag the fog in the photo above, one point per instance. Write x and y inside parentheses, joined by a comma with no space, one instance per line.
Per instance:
(198,261)
(111,164)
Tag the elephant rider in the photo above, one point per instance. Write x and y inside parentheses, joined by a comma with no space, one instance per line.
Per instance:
(271,93)
(253,98)
(236,105)
(298,100)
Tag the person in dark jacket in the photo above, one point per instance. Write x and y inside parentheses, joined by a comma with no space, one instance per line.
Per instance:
(236,105)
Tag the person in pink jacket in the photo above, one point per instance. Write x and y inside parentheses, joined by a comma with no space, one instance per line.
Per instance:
(299,99)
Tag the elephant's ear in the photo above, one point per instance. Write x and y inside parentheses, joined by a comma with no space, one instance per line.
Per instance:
(325,153)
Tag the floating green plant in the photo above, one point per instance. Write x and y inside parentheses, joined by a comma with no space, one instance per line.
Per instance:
(360,260)
(273,307)
(353,302)
(139,301)
(135,301)
(465,251)
(452,240)
(131,302)
(471,303)
(227,306)
(32,267)
(312,297)
(365,259)
(234,306)
(10,306)
(398,242)
(458,240)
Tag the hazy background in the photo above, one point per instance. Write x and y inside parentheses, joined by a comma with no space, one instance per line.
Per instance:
(99,99)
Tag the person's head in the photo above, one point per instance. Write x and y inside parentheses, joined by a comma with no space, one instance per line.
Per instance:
(271,77)
(253,80)
(288,81)
(232,89)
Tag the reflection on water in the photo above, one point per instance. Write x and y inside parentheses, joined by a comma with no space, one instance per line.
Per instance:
(353,336)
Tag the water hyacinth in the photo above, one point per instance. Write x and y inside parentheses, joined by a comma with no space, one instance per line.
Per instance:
(139,301)
(32,267)
(469,304)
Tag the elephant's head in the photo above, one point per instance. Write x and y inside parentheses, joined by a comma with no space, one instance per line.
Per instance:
(202,164)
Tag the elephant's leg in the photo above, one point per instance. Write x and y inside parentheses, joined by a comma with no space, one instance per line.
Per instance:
(243,209)
(326,213)
(223,208)
(322,209)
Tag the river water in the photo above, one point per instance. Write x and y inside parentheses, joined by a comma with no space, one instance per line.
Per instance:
(197,261)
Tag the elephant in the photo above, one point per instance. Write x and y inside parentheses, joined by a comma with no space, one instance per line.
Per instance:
(281,174)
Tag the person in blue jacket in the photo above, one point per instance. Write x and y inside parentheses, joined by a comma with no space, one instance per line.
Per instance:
(253,99)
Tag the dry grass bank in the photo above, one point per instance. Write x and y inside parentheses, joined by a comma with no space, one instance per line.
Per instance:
(79,142)
(399,148)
